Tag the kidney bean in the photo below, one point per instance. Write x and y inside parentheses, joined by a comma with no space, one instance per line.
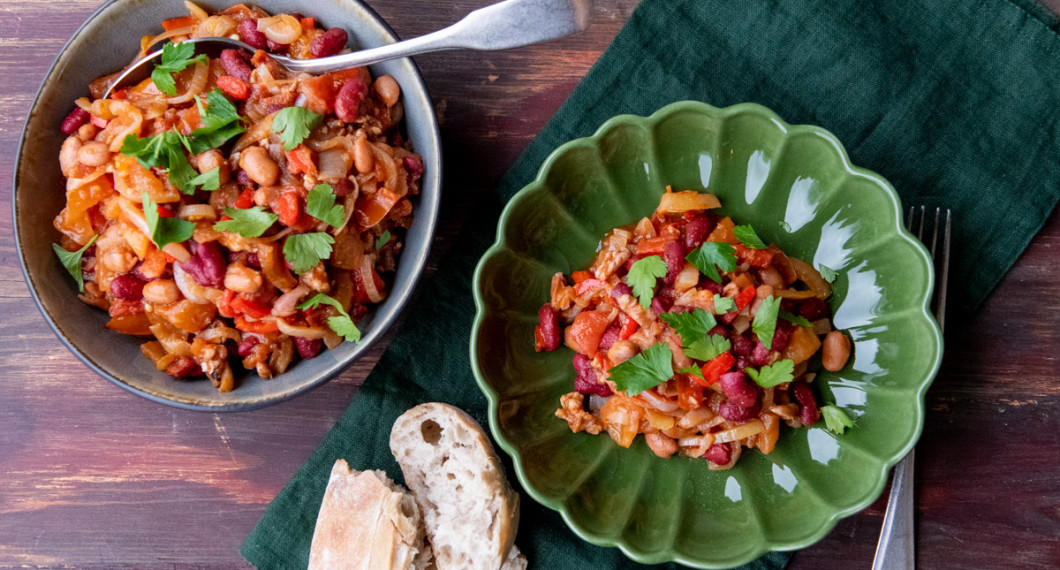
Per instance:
(674,256)
(248,30)
(243,179)
(719,330)
(696,231)
(246,346)
(734,413)
(550,330)
(610,335)
(760,354)
(711,285)
(127,287)
(274,47)
(342,187)
(781,335)
(620,289)
(207,265)
(330,42)
(308,348)
(414,166)
(585,380)
(738,390)
(835,350)
(682,309)
(184,367)
(741,345)
(809,414)
(348,99)
(74,120)
(742,363)
(718,454)
(661,303)
(235,64)
(632,259)
(813,309)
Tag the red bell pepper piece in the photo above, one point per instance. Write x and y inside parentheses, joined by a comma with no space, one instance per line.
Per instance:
(713,369)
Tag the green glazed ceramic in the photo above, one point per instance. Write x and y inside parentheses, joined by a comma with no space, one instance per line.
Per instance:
(796,186)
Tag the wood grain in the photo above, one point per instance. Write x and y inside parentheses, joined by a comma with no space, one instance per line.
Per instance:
(94,477)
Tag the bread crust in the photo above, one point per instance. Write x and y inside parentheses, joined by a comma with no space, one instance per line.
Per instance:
(470,511)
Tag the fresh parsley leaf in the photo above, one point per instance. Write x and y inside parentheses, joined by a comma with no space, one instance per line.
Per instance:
(711,255)
(71,260)
(723,305)
(835,419)
(249,222)
(165,230)
(692,326)
(796,319)
(775,374)
(693,371)
(320,203)
(175,57)
(642,275)
(220,119)
(209,180)
(827,273)
(708,347)
(384,238)
(294,124)
(304,251)
(765,323)
(150,152)
(180,172)
(747,236)
(343,325)
(645,370)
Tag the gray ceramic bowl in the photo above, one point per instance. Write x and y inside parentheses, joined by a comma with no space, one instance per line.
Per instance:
(106,43)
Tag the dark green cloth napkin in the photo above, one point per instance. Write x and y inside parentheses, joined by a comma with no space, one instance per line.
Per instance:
(954,101)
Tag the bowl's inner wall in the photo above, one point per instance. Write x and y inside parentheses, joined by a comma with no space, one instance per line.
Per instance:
(104,45)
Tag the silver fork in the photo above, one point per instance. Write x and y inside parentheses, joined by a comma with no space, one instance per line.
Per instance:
(897,547)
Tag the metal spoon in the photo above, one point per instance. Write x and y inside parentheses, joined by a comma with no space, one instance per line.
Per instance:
(507,24)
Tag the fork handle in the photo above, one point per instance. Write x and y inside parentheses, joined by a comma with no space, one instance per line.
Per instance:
(897,547)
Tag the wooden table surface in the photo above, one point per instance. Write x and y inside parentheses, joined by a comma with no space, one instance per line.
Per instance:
(92,476)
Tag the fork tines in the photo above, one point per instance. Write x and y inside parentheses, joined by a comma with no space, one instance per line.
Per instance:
(916,223)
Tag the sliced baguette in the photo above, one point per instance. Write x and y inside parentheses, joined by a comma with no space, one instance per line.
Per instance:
(470,510)
(366,522)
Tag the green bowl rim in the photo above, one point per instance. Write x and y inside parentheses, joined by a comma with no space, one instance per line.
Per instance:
(493,397)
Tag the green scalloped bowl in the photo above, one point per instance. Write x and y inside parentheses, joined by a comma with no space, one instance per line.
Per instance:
(765,172)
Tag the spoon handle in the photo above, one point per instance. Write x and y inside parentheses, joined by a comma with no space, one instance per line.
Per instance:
(507,24)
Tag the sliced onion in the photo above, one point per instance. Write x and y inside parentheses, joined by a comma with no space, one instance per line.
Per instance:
(334,164)
(197,212)
(195,86)
(178,251)
(216,334)
(195,11)
(285,305)
(331,340)
(304,332)
(186,283)
(658,402)
(147,41)
(171,339)
(811,277)
(368,282)
(282,29)
(739,432)
(133,215)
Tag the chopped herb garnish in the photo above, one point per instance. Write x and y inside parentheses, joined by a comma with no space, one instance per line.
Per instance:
(304,251)
(692,326)
(835,419)
(383,239)
(164,151)
(796,319)
(642,276)
(343,325)
(209,180)
(723,305)
(708,347)
(71,260)
(711,255)
(775,374)
(165,230)
(747,236)
(320,203)
(175,57)
(645,370)
(827,273)
(220,119)
(247,222)
(294,124)
(765,322)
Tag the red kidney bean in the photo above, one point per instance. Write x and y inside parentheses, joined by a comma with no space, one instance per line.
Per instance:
(330,42)
(809,413)
(127,287)
(682,309)
(632,259)
(550,329)
(138,272)
(413,165)
(718,454)
(248,30)
(696,231)
(348,99)
(813,309)
(742,363)
(719,330)
(308,348)
(342,188)
(274,47)
(661,303)
(74,121)
(246,346)
(741,345)
(235,63)
(781,336)
(357,311)
(734,413)
(711,285)
(585,379)
(610,335)
(243,179)
(620,289)
(738,390)
(760,354)
(207,265)
(674,256)
(184,367)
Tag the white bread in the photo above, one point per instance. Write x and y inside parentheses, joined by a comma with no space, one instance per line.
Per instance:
(470,510)
(366,522)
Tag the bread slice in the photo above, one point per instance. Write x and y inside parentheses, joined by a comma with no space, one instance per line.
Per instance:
(470,510)
(366,522)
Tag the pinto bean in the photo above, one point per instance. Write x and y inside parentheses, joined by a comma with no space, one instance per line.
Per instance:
(93,153)
(161,292)
(660,444)
(259,166)
(835,350)
(387,89)
(363,158)
(242,279)
(330,42)
(68,154)
(214,159)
